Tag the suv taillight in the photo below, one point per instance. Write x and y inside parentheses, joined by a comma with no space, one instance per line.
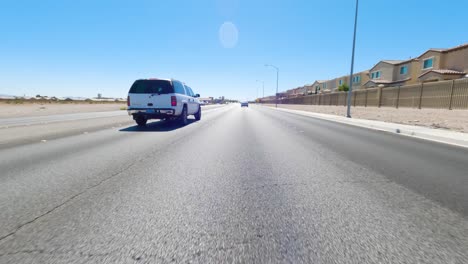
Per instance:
(128,100)
(173,101)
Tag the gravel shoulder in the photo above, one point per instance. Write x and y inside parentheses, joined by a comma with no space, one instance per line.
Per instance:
(455,120)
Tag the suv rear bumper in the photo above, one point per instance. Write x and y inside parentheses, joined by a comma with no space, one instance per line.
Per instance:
(152,113)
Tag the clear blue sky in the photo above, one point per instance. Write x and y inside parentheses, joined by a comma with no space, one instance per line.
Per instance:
(82,47)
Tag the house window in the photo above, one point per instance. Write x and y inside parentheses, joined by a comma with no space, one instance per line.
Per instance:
(341,82)
(404,70)
(325,86)
(428,63)
(357,79)
(375,75)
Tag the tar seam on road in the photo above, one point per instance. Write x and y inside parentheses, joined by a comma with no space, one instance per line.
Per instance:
(84,191)
(65,202)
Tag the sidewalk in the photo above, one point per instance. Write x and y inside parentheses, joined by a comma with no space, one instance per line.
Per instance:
(454,120)
(438,135)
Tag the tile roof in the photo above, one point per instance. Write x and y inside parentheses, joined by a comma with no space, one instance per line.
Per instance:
(438,50)
(393,61)
(444,72)
(316,81)
(378,81)
(452,49)
(462,46)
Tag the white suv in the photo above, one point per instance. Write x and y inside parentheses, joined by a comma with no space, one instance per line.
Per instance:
(162,99)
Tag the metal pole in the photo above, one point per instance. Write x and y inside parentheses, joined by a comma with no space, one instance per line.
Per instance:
(277,77)
(263,88)
(398,97)
(348,112)
(451,94)
(366,97)
(420,95)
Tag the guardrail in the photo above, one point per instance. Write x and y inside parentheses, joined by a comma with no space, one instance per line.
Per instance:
(451,94)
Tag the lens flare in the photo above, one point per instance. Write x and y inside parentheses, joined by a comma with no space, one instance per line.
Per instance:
(228,35)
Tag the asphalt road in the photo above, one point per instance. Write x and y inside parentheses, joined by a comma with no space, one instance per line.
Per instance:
(51,127)
(26,121)
(47,119)
(250,185)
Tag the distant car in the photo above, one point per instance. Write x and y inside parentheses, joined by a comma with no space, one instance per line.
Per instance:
(246,104)
(162,99)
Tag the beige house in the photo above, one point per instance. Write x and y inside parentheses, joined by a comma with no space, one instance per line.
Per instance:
(359,79)
(309,89)
(392,73)
(443,64)
(296,91)
(300,90)
(432,65)
(329,85)
(318,86)
(341,80)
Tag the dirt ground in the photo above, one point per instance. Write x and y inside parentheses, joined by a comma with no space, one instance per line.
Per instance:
(456,120)
(37,109)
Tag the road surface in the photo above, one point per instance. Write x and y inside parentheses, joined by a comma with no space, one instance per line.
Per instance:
(50,127)
(48,119)
(243,185)
(27,121)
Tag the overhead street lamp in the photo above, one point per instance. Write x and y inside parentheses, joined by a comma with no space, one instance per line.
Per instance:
(350,91)
(277,76)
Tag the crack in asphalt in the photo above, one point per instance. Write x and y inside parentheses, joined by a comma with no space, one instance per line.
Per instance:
(65,202)
(55,252)
(19,227)
(78,194)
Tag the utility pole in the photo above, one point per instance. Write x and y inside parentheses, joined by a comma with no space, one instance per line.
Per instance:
(350,91)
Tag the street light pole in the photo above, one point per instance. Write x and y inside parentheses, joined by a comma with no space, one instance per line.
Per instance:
(277,77)
(263,88)
(350,91)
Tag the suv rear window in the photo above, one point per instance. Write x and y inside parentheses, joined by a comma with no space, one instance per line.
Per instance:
(151,87)
(179,88)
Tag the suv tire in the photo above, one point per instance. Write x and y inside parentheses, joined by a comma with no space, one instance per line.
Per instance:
(141,121)
(198,114)
(183,116)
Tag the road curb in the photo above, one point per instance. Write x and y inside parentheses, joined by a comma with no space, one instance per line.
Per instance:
(437,135)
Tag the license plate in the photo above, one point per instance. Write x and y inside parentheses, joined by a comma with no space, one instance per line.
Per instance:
(150,111)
